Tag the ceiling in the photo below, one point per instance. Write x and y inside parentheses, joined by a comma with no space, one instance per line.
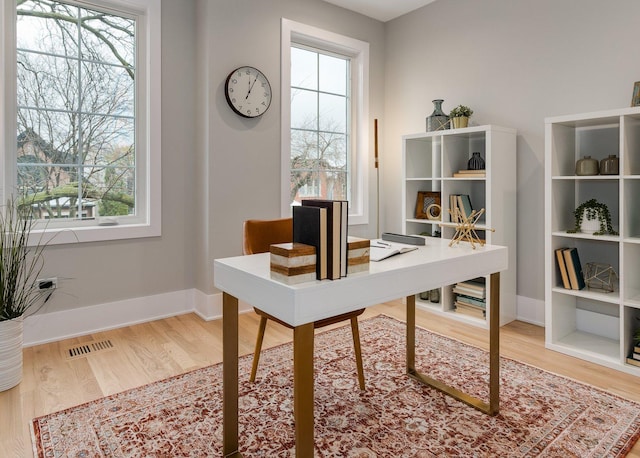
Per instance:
(382,10)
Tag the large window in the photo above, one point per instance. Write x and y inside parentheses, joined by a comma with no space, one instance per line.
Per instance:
(83,128)
(325,138)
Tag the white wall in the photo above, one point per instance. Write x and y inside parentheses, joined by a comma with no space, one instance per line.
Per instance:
(514,62)
(239,162)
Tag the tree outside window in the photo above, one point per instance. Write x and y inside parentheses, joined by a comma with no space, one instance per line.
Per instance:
(75,110)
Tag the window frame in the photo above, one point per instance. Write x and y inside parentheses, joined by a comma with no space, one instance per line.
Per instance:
(358,52)
(147,221)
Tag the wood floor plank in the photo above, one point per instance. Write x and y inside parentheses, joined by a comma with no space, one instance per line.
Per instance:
(149,352)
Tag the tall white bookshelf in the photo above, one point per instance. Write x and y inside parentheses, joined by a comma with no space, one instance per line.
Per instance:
(430,161)
(592,324)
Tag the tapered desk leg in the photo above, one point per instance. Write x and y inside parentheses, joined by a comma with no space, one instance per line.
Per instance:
(230,376)
(493,407)
(303,389)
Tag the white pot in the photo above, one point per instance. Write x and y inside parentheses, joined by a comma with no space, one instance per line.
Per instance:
(10,353)
(589,226)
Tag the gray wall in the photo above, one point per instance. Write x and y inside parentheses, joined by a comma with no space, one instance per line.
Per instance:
(96,273)
(514,62)
(239,170)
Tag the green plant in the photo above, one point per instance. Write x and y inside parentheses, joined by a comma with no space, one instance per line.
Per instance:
(20,264)
(593,209)
(460,110)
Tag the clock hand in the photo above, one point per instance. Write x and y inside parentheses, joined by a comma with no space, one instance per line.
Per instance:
(251,87)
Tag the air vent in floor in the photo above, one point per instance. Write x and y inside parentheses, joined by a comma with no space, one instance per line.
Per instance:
(89,348)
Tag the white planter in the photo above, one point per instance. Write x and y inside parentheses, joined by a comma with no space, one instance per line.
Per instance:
(10,353)
(589,226)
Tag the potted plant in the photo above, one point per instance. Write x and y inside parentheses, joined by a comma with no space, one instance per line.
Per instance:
(593,217)
(460,116)
(20,267)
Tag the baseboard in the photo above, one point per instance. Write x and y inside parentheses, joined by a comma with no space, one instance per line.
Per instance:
(55,326)
(530,310)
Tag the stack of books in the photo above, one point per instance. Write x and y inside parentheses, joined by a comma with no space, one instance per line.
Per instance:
(634,358)
(470,297)
(570,268)
(470,174)
(461,203)
(323,224)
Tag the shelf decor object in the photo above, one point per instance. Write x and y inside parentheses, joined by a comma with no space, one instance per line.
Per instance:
(438,120)
(595,323)
(466,227)
(600,276)
(587,166)
(437,162)
(460,116)
(593,217)
(610,165)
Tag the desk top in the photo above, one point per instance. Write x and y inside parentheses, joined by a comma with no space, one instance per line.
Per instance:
(248,278)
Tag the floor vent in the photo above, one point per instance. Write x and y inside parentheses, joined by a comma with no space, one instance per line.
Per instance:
(88,348)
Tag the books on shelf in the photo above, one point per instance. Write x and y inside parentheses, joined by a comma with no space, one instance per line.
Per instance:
(573,268)
(461,203)
(470,174)
(470,297)
(470,310)
(324,225)
(562,267)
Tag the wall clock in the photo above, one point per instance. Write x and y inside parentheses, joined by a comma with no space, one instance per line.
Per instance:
(248,92)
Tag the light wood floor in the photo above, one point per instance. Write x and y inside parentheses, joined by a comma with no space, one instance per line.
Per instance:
(153,351)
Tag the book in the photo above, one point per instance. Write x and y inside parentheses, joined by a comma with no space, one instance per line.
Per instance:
(382,250)
(471,172)
(334,228)
(633,362)
(471,300)
(477,174)
(469,310)
(562,267)
(477,284)
(464,204)
(574,268)
(344,239)
(310,228)
(470,293)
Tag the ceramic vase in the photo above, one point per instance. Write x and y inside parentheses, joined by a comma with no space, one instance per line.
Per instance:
(438,120)
(610,165)
(587,166)
(589,226)
(476,162)
(11,338)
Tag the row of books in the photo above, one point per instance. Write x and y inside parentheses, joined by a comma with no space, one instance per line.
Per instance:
(470,174)
(570,268)
(470,297)
(460,203)
(323,224)
(634,358)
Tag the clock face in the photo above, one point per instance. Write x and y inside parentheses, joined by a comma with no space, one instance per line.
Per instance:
(248,92)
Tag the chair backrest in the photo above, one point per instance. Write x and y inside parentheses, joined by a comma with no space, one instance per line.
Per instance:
(258,235)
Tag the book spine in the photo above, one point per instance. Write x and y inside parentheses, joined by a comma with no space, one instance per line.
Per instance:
(562,267)
(574,269)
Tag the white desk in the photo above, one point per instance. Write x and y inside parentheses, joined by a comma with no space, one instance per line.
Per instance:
(248,278)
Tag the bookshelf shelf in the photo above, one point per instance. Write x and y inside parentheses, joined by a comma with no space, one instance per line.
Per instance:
(593,325)
(430,161)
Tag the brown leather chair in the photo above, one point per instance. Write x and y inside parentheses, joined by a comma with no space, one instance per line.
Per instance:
(258,235)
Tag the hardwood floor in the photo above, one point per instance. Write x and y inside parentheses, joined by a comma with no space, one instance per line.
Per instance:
(153,351)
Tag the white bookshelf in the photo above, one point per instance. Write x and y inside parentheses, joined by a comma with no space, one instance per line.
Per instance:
(429,161)
(591,324)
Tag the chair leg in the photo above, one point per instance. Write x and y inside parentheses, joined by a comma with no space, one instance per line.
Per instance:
(356,347)
(256,353)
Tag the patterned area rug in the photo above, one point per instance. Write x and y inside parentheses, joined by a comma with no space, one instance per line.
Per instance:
(542,414)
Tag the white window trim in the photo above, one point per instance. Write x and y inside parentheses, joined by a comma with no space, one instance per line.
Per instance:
(359,52)
(148,115)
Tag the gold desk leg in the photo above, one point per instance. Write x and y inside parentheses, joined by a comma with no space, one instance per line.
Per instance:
(230,376)
(303,389)
(494,355)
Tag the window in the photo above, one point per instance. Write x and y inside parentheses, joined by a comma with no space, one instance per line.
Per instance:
(85,155)
(324,116)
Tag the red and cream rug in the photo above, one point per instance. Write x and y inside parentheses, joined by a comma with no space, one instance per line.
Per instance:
(541,414)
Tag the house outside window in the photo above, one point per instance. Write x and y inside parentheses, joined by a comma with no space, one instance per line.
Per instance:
(86,146)
(324,118)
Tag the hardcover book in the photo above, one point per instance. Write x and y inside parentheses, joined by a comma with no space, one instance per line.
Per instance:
(562,267)
(334,234)
(574,268)
(310,228)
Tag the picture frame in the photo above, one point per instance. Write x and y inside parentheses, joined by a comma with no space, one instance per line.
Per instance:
(428,205)
(635,98)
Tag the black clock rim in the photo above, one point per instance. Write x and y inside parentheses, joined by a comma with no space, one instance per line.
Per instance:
(226,92)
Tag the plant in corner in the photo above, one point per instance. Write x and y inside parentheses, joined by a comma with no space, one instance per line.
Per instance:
(592,210)
(20,266)
(460,116)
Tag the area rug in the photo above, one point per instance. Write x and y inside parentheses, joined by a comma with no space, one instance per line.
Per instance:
(541,414)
